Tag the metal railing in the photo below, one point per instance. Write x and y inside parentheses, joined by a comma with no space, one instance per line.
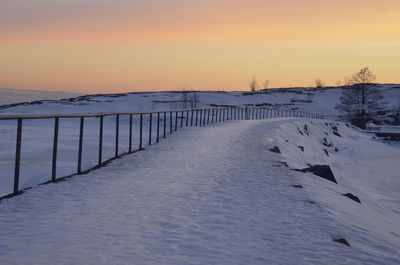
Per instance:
(177,118)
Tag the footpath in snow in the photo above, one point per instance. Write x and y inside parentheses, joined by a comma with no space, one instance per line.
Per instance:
(212,195)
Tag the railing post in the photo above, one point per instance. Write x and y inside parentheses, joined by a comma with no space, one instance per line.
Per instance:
(208,116)
(141,132)
(170,122)
(100,141)
(220,114)
(191,119)
(80,145)
(158,127)
(197,116)
(201,116)
(182,119)
(176,121)
(130,133)
(187,118)
(223,114)
(165,125)
(55,143)
(204,118)
(150,126)
(116,134)
(212,116)
(17,156)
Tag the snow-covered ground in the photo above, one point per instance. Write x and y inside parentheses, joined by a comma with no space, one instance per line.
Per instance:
(213,195)
(37,134)
(322,100)
(362,166)
(218,195)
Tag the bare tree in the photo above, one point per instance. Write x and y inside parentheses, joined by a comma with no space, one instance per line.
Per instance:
(185,98)
(319,83)
(347,81)
(253,84)
(266,84)
(361,101)
(194,100)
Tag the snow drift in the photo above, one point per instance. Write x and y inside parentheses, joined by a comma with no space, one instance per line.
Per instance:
(365,198)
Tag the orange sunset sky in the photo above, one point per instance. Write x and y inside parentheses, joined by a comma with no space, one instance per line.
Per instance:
(99,46)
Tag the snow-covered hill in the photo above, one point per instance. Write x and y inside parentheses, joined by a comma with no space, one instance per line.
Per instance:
(359,207)
(321,100)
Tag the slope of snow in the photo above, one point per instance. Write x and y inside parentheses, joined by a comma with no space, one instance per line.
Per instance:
(321,101)
(212,195)
(362,166)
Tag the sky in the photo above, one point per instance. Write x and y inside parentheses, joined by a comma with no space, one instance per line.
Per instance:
(99,46)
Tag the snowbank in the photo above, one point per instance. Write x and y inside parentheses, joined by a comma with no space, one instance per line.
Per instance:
(365,198)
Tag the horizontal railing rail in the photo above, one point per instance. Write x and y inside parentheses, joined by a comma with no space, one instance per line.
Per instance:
(194,117)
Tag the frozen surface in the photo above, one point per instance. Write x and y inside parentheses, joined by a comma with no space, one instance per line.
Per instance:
(10,96)
(213,195)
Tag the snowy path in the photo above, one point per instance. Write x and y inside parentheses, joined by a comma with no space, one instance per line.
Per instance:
(211,195)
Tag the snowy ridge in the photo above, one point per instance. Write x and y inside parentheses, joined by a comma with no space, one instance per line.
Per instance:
(363,167)
(317,100)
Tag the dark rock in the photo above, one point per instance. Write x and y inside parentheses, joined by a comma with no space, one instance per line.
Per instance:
(353,197)
(297,186)
(275,149)
(326,152)
(281,164)
(325,143)
(306,129)
(335,131)
(301,147)
(323,171)
(336,149)
(342,241)
(300,131)
(309,202)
